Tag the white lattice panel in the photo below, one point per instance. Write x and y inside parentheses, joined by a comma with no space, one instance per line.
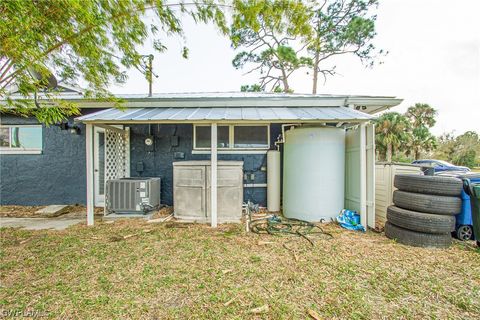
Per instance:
(116,158)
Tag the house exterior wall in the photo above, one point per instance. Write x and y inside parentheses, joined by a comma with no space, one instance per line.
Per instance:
(57,176)
(157,160)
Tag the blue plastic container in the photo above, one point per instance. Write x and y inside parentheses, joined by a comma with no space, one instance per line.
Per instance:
(464,222)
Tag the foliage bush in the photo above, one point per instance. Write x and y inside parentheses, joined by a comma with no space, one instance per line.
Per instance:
(463,150)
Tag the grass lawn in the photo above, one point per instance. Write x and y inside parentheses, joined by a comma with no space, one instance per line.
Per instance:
(130,269)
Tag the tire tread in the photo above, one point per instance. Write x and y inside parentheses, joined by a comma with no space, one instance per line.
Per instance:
(427,203)
(435,185)
(417,239)
(419,221)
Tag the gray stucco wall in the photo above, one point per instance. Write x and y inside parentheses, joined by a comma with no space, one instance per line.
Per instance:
(57,176)
(157,160)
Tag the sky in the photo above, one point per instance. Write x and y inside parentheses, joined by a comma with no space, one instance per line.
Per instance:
(434,58)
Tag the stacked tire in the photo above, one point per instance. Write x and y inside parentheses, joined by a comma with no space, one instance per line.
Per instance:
(423,214)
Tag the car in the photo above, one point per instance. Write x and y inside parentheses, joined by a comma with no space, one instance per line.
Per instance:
(440,165)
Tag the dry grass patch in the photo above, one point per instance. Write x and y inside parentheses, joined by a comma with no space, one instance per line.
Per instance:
(163,212)
(131,269)
(73,211)
(20,211)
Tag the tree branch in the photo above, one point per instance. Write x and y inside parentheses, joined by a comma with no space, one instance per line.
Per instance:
(7,65)
(254,69)
(88,28)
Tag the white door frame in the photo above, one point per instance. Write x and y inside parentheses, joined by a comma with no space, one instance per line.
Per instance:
(99,199)
(91,153)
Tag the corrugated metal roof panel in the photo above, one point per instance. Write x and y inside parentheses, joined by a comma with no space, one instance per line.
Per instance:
(147,113)
(108,113)
(231,114)
(132,113)
(164,114)
(200,114)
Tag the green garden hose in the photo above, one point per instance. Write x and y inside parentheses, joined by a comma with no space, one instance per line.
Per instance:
(276,225)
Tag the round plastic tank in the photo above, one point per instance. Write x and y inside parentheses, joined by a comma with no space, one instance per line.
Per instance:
(314,173)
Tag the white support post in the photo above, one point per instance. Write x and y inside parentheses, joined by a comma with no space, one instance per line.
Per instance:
(90,179)
(127,152)
(363,176)
(213,178)
(370,167)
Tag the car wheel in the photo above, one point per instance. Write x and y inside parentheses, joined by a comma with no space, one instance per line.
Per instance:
(427,203)
(464,233)
(442,186)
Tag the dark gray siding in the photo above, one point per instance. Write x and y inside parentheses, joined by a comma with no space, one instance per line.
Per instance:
(57,176)
(157,160)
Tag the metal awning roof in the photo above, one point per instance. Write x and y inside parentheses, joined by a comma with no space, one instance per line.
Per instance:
(280,114)
(368,104)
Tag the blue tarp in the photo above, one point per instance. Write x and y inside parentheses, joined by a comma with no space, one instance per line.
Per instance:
(350,220)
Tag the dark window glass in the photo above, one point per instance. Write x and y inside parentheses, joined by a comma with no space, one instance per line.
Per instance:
(4,137)
(251,137)
(203,135)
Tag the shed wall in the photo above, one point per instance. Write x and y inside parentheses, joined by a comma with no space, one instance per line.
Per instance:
(384,176)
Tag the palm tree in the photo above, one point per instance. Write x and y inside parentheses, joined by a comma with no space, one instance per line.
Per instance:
(391,131)
(421,140)
(421,115)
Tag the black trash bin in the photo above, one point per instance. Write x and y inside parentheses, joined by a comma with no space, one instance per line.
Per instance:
(474,193)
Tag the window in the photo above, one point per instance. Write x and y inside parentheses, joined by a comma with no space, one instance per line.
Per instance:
(255,137)
(203,137)
(20,139)
(233,137)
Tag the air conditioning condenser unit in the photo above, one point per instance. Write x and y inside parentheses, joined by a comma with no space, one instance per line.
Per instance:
(132,195)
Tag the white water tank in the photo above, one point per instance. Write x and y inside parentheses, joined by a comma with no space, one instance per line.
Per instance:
(314,173)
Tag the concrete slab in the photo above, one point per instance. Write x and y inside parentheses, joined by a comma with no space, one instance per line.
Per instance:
(52,210)
(117,216)
(39,223)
